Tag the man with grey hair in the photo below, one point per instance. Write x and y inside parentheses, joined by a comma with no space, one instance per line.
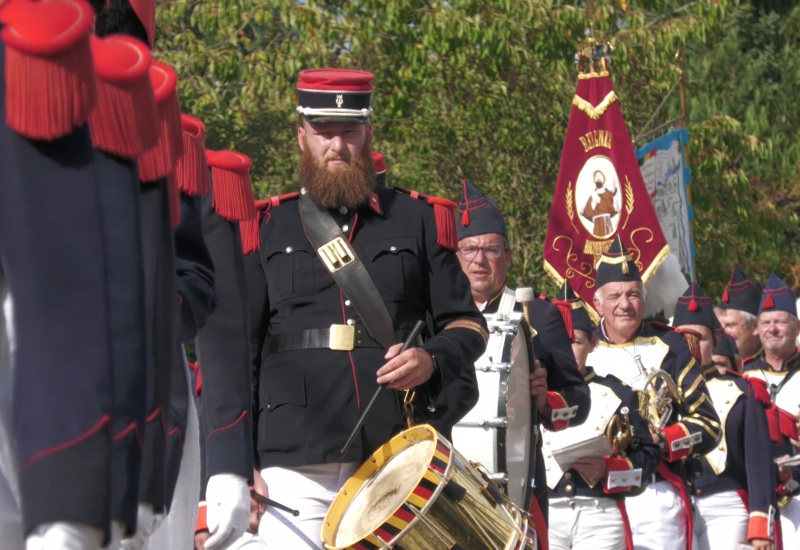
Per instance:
(632,351)
(737,312)
(777,365)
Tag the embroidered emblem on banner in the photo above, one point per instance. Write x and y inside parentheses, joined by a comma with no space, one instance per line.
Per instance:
(339,100)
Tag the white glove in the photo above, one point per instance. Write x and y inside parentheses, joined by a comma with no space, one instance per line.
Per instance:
(228,509)
(146,524)
(64,536)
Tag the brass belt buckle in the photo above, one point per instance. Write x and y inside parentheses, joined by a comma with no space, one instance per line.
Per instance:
(342,337)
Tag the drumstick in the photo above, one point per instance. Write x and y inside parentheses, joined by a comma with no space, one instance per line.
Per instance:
(261,499)
(407,344)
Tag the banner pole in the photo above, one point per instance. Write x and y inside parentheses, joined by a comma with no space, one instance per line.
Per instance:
(680,57)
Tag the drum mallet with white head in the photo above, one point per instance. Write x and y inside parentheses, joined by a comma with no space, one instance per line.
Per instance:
(412,337)
(525,296)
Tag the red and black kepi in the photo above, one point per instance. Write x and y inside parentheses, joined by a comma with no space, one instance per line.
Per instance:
(335,95)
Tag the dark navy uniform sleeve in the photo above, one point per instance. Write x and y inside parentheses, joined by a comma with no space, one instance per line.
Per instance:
(698,416)
(194,268)
(553,349)
(459,329)
(761,471)
(224,355)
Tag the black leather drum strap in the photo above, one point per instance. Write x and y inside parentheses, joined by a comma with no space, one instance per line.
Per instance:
(347,270)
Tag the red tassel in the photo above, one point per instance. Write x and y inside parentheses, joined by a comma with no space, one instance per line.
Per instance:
(192,169)
(565,309)
(174,200)
(725,297)
(774,427)
(146,12)
(50,81)
(230,181)
(160,161)
(760,390)
(444,212)
(465,218)
(769,302)
(788,424)
(251,237)
(693,305)
(124,121)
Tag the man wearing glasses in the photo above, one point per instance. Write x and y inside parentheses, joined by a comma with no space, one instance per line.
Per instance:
(556,384)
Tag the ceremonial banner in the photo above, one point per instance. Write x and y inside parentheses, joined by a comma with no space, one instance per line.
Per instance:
(666,176)
(599,193)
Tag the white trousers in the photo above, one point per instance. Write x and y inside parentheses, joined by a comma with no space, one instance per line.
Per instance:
(720,522)
(177,529)
(249,541)
(585,524)
(307,489)
(790,524)
(11,535)
(657,518)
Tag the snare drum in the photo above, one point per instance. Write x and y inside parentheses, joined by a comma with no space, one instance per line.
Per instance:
(417,492)
(497,431)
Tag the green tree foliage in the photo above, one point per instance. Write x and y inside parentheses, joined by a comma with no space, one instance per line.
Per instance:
(482,90)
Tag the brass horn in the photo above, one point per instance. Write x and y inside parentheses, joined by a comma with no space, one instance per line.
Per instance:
(620,433)
(662,395)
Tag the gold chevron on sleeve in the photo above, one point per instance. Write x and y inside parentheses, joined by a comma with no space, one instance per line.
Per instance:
(468,324)
(594,112)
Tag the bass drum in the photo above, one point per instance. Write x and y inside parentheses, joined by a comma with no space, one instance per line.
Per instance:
(417,492)
(497,431)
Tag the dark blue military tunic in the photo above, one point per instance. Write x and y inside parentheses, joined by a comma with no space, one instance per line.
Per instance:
(52,252)
(223,350)
(310,399)
(748,466)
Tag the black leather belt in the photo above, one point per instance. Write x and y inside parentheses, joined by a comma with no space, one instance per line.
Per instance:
(338,337)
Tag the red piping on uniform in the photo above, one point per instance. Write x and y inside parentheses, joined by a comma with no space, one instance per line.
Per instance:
(153,415)
(626,524)
(231,425)
(344,319)
(104,420)
(173,432)
(132,427)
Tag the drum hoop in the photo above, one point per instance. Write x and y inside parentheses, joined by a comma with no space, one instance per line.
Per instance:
(421,497)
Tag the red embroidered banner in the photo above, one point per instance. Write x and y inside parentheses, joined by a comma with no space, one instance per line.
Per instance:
(599,194)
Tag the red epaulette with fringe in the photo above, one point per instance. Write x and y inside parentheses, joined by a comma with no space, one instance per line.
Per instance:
(124,121)
(49,75)
(565,309)
(760,389)
(192,168)
(230,180)
(787,423)
(445,212)
(159,161)
(251,229)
